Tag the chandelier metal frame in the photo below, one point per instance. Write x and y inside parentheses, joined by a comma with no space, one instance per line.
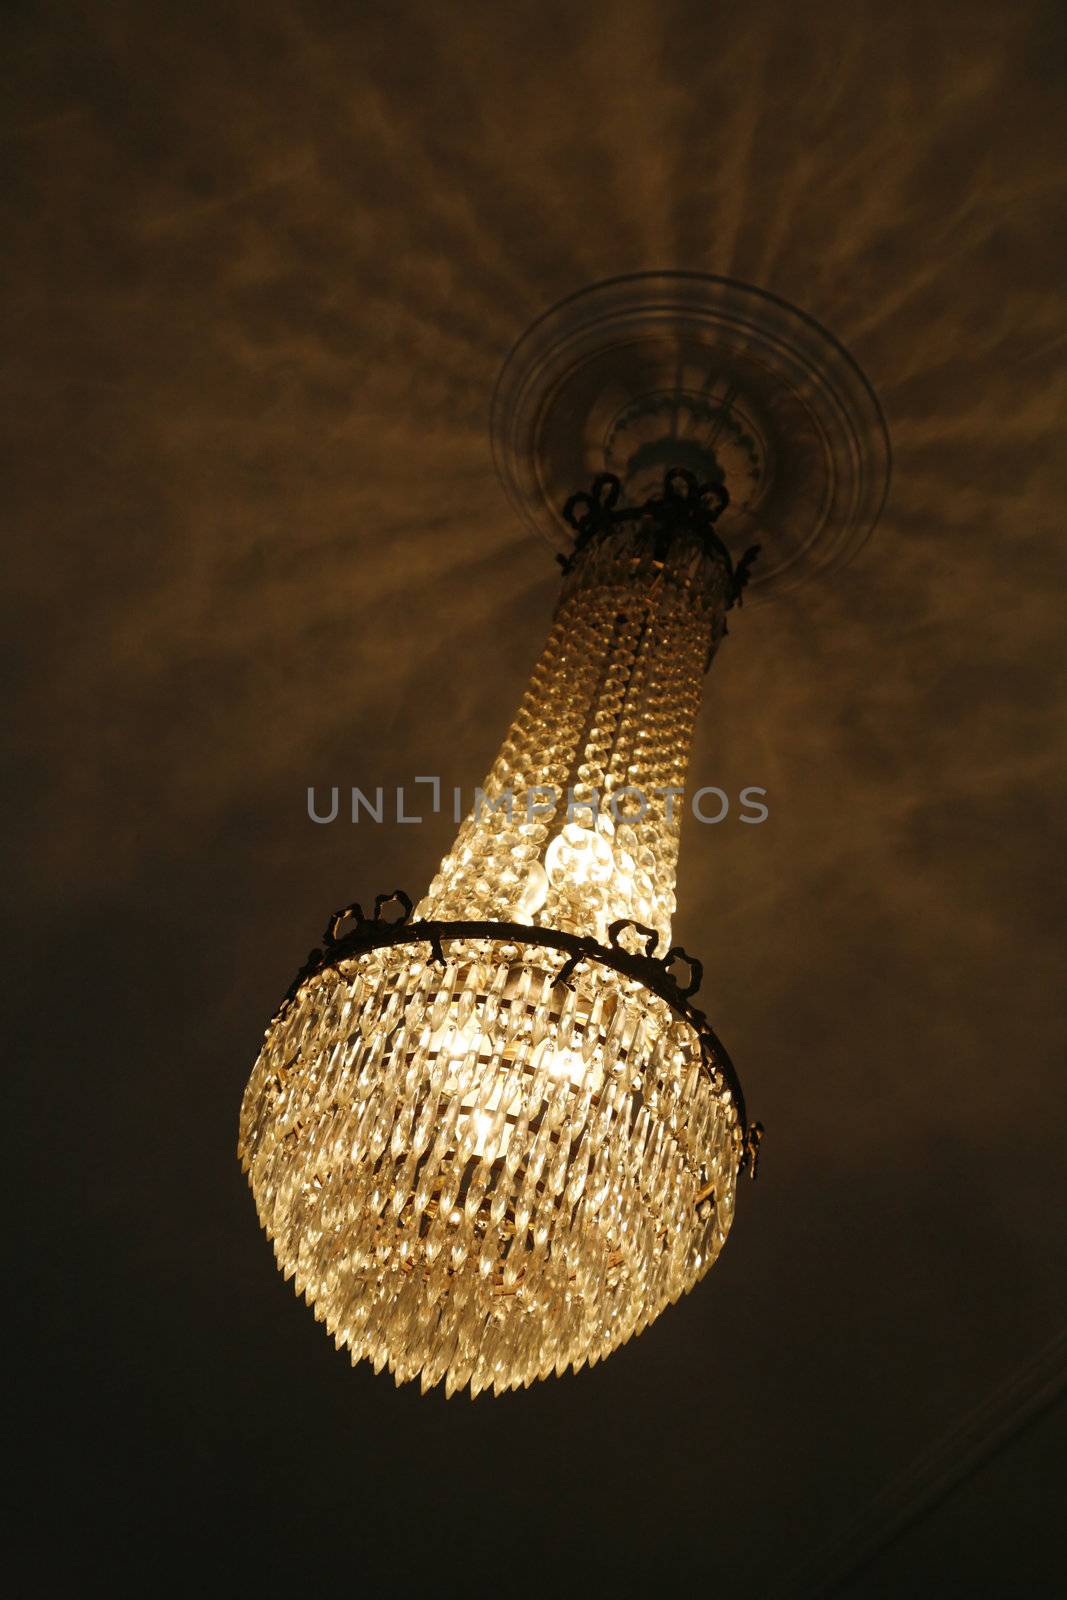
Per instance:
(685,507)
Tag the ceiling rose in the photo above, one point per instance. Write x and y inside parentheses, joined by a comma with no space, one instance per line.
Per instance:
(665,369)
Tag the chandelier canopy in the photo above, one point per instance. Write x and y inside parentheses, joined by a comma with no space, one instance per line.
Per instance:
(492,1137)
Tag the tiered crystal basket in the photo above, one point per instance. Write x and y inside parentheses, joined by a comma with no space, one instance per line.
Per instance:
(480,1175)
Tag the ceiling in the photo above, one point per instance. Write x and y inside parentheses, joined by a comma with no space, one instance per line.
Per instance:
(267,259)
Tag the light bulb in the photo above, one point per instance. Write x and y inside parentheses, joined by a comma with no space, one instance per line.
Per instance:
(535,891)
(565,1063)
(579,855)
(489,1134)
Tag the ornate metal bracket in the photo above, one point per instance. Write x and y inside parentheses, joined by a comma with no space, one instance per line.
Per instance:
(657,969)
(349,933)
(685,507)
(367,927)
(751,1148)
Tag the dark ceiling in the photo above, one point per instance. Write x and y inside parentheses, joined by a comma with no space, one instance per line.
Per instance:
(266,260)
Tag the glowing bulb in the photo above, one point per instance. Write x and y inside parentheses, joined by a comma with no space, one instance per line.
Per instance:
(563,1064)
(535,892)
(486,1147)
(579,855)
(478,1117)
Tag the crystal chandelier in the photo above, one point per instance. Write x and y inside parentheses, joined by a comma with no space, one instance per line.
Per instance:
(491,1135)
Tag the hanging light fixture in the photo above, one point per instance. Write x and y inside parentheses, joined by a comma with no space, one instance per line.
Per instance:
(491,1135)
